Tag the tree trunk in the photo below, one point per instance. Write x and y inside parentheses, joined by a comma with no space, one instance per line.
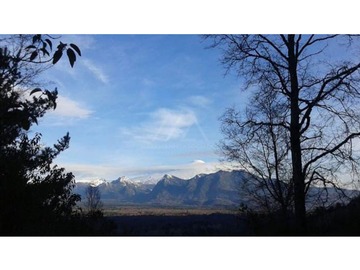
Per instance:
(298,177)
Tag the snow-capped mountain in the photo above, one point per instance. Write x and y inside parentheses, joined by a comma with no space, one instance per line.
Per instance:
(125,181)
(151,180)
(98,182)
(215,189)
(211,189)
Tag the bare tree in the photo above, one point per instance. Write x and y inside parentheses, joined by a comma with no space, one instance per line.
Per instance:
(316,81)
(93,199)
(264,152)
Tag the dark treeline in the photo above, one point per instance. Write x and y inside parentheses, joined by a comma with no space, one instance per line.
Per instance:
(36,196)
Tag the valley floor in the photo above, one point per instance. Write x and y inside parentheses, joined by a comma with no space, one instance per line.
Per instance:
(163,221)
(147,220)
(149,210)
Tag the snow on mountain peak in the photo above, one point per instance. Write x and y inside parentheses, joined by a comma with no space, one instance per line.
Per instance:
(199,175)
(124,179)
(150,180)
(97,182)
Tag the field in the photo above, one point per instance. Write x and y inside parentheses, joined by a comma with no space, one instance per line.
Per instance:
(137,210)
(163,221)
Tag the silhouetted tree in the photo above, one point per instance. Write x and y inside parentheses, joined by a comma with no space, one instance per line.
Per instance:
(35,196)
(316,81)
(265,155)
(93,200)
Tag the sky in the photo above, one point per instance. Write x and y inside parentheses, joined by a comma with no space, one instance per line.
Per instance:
(139,106)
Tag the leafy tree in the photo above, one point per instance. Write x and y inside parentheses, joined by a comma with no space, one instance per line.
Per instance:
(35,196)
(317,96)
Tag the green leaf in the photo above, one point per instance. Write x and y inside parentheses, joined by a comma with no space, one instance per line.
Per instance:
(35,91)
(33,55)
(49,42)
(72,57)
(76,48)
(57,56)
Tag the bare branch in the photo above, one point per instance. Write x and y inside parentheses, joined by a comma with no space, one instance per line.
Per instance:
(332,150)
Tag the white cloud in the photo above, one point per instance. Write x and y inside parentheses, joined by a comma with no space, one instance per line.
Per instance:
(67,112)
(199,101)
(98,72)
(198,161)
(67,107)
(84,172)
(163,125)
(188,171)
(92,172)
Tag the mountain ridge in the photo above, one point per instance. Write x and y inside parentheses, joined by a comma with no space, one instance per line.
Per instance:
(215,189)
(219,189)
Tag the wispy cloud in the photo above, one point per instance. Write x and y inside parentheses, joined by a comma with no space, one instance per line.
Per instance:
(110,172)
(198,166)
(199,101)
(92,172)
(67,112)
(96,71)
(163,125)
(84,42)
(67,107)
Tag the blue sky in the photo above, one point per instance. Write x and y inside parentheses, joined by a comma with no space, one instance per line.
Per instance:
(139,105)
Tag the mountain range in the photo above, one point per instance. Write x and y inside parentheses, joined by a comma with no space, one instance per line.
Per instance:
(215,189)
(220,189)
